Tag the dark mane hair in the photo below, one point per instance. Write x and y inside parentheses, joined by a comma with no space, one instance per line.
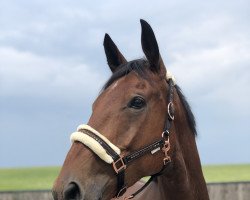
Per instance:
(140,66)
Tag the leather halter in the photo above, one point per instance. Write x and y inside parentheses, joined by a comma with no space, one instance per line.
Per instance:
(121,161)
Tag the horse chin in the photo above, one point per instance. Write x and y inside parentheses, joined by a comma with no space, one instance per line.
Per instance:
(97,192)
(97,195)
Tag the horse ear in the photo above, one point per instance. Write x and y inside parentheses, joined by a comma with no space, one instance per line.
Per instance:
(114,56)
(151,49)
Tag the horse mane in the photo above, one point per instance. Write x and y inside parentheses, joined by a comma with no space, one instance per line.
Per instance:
(140,66)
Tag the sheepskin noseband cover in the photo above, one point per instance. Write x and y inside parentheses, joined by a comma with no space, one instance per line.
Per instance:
(93,144)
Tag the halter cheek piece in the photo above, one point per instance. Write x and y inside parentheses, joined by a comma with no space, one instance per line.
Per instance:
(111,154)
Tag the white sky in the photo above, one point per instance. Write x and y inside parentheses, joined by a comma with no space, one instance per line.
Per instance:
(52,67)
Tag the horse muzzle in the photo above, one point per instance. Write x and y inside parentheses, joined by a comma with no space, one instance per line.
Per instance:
(91,189)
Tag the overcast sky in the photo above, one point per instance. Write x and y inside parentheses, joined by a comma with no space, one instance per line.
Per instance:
(52,66)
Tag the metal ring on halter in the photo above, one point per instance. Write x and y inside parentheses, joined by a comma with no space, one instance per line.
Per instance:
(170,106)
(121,192)
(165,134)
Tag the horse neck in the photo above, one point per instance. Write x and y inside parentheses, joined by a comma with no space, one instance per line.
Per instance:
(183,179)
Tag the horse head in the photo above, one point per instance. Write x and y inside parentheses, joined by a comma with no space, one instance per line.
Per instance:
(127,135)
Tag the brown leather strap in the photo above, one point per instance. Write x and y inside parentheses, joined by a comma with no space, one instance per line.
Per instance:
(137,154)
(108,149)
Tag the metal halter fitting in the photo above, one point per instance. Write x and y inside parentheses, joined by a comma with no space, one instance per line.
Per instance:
(93,138)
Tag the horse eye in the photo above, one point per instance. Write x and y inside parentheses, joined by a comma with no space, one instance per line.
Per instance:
(137,103)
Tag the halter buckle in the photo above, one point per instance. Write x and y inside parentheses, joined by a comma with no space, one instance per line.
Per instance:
(166,160)
(119,165)
(166,149)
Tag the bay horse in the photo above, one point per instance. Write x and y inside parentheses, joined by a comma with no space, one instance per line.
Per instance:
(141,125)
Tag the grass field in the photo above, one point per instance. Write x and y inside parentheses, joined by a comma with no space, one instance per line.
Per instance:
(27,178)
(39,178)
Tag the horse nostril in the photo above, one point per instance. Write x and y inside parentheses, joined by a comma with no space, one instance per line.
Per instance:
(72,192)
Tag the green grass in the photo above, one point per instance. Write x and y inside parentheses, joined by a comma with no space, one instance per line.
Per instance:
(227,173)
(35,178)
(39,178)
